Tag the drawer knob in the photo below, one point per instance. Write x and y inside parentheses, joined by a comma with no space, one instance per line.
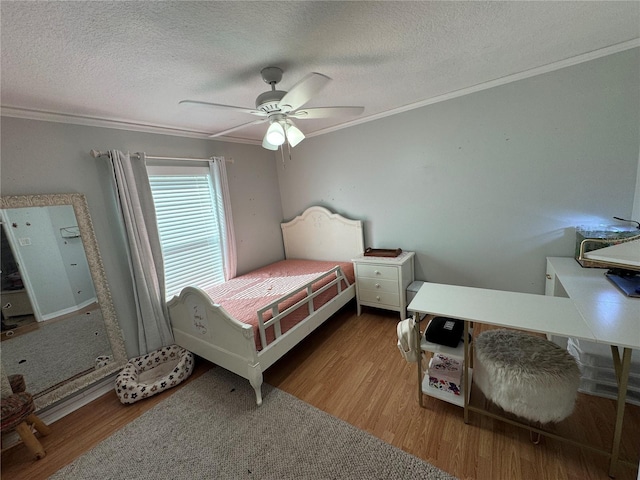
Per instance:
(377,297)
(377,285)
(377,272)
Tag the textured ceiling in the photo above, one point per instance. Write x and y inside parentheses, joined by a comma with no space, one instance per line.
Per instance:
(132,62)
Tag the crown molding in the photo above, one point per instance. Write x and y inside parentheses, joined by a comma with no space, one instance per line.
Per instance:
(96,122)
(164,130)
(109,123)
(586,57)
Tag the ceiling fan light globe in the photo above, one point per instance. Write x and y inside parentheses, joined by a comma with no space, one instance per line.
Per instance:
(294,134)
(267,145)
(275,134)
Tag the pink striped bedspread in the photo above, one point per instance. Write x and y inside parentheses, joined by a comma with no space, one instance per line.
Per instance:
(243,296)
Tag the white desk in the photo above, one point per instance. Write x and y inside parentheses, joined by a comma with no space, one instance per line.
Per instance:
(613,317)
(525,311)
(536,313)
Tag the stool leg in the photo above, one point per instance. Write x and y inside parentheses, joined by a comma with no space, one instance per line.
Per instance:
(535,437)
(39,425)
(30,440)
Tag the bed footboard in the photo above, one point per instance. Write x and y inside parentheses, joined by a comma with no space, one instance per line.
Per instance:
(206,329)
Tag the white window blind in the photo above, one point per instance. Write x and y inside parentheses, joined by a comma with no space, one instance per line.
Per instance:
(189,227)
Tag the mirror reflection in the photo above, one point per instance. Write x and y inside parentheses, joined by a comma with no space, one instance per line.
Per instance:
(58,326)
(48,299)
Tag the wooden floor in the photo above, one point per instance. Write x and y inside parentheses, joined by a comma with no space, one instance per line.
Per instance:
(351,368)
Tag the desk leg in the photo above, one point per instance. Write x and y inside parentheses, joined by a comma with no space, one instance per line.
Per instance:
(465,378)
(416,319)
(622,376)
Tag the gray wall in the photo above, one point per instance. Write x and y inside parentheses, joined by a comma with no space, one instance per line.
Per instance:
(54,269)
(47,157)
(485,186)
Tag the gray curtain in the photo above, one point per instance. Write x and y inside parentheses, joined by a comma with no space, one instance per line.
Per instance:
(145,255)
(218,169)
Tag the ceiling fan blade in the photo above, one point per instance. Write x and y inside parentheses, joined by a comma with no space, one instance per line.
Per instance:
(267,145)
(326,112)
(302,91)
(233,129)
(252,111)
(294,134)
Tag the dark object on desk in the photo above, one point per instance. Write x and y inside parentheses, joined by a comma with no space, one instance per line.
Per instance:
(444,331)
(627,281)
(382,252)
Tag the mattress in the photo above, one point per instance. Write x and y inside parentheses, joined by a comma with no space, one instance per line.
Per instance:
(243,296)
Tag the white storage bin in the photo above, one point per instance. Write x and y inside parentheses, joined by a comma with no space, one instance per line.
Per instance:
(597,374)
(412,289)
(606,390)
(608,376)
(597,354)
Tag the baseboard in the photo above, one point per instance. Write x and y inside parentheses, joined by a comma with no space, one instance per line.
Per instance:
(64,407)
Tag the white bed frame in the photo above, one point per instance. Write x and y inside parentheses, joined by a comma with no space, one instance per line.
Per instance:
(206,329)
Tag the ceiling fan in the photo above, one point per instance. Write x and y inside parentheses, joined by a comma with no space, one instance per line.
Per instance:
(279,108)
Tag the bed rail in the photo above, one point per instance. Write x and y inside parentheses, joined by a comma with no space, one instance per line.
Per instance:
(277,316)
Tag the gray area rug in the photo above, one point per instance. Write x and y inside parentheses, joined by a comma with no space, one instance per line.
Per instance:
(57,351)
(212,428)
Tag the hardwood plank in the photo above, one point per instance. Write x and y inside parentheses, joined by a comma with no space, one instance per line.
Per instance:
(351,368)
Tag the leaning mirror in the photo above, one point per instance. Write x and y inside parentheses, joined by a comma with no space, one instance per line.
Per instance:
(59,328)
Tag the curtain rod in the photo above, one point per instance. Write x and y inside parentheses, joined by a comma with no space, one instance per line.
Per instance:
(97,153)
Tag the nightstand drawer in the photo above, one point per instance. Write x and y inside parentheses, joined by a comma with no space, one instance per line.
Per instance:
(383,298)
(378,284)
(377,271)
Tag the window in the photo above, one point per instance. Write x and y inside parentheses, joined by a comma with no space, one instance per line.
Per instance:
(189,220)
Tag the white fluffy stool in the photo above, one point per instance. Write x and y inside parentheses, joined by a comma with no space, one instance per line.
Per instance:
(526,375)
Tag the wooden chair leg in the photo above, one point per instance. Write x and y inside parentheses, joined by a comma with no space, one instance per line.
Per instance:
(30,440)
(39,425)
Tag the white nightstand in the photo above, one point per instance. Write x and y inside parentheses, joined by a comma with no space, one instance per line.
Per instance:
(382,282)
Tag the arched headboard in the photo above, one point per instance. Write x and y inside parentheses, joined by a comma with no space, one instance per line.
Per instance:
(318,234)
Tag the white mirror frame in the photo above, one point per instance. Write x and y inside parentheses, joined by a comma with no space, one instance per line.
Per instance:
(114,333)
